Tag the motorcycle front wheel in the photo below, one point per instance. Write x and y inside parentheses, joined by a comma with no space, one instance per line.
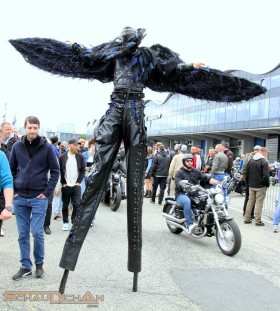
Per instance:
(173,229)
(115,201)
(231,243)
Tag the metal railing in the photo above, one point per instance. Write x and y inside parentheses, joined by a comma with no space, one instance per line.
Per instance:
(270,199)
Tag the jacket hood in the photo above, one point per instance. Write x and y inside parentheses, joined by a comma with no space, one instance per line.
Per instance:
(258,156)
(163,153)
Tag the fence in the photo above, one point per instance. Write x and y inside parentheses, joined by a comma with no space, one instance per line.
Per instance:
(269,201)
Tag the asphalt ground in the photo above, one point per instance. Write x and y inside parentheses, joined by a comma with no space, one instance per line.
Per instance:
(178,273)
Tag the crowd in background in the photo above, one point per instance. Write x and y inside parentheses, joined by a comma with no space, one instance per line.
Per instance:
(56,178)
(162,166)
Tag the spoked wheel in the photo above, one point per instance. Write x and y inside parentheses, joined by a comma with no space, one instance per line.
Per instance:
(173,229)
(231,243)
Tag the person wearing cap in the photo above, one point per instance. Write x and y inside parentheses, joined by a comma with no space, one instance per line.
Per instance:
(257,177)
(175,165)
(72,173)
(243,172)
(35,170)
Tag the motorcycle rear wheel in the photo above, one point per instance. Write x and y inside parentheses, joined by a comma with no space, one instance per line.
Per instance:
(231,244)
(172,229)
(116,200)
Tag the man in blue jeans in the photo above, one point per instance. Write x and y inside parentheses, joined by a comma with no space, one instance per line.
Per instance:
(31,159)
(193,176)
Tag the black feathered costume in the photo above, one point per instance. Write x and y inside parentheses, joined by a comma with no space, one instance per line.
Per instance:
(130,68)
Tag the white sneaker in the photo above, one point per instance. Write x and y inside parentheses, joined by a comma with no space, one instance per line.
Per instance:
(275,228)
(65,226)
(2,231)
(191,228)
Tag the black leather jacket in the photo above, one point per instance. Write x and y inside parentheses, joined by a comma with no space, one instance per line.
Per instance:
(161,164)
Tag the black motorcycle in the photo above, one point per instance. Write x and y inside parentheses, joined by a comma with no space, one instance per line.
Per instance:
(237,184)
(210,217)
(113,193)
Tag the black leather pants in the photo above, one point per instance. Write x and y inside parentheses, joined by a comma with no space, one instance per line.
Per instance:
(123,121)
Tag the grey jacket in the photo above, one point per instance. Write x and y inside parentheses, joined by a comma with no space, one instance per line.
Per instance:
(220,163)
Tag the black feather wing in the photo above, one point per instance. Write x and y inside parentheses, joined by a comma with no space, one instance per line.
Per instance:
(59,58)
(203,83)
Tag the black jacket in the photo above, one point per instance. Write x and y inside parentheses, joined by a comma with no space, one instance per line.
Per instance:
(161,164)
(80,165)
(31,173)
(256,172)
(193,176)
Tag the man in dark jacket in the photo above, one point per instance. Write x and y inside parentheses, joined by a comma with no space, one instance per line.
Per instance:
(7,137)
(72,173)
(31,159)
(257,177)
(230,156)
(193,176)
(159,172)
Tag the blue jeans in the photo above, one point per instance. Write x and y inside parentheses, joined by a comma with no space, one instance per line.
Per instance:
(184,201)
(276,216)
(30,214)
(57,204)
(220,177)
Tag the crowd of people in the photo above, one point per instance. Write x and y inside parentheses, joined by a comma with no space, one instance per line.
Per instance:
(164,167)
(41,178)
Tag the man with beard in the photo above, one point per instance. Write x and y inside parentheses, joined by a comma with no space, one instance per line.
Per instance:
(193,176)
(72,173)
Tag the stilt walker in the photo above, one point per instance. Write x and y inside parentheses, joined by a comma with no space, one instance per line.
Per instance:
(131,68)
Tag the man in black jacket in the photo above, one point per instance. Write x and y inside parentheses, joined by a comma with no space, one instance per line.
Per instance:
(193,176)
(257,176)
(159,172)
(72,173)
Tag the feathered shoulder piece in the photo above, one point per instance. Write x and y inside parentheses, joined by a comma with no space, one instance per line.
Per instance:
(60,58)
(204,83)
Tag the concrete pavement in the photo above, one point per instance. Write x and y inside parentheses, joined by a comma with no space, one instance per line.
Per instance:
(178,273)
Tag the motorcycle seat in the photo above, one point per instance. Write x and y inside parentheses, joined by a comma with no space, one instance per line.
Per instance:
(170,198)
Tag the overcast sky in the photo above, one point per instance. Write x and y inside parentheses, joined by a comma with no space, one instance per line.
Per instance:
(239,34)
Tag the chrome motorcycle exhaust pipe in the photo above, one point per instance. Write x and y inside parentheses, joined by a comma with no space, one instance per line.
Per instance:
(169,217)
(175,224)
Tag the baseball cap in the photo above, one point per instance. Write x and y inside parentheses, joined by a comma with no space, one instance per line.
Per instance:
(184,148)
(257,147)
(73,141)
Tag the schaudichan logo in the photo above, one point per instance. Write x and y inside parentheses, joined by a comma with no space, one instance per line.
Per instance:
(53,297)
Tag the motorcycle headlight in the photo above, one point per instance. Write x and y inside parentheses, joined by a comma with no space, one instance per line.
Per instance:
(116,177)
(219,198)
